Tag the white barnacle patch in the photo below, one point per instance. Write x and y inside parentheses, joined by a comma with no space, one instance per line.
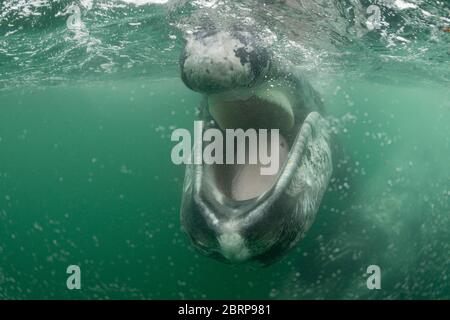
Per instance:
(232,244)
(214,59)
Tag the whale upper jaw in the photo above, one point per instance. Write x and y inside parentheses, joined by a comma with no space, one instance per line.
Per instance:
(217,61)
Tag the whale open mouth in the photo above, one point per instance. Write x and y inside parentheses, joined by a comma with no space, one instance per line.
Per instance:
(233,211)
(265,108)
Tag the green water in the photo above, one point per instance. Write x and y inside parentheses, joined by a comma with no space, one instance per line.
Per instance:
(86,176)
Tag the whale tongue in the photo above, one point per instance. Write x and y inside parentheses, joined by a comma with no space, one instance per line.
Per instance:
(247,182)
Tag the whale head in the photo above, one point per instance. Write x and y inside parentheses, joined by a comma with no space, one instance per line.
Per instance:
(231,211)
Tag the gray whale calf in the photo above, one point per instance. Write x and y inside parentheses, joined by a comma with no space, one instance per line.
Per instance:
(230,212)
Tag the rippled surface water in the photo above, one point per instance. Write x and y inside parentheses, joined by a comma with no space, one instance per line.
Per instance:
(87,107)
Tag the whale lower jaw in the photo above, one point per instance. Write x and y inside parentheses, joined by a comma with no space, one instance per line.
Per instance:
(262,228)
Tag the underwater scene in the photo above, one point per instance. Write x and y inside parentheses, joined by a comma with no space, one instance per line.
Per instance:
(120,179)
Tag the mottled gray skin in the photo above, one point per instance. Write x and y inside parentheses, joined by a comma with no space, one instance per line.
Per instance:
(259,230)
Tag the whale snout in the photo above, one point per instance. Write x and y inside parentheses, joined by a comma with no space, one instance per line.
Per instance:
(219,61)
